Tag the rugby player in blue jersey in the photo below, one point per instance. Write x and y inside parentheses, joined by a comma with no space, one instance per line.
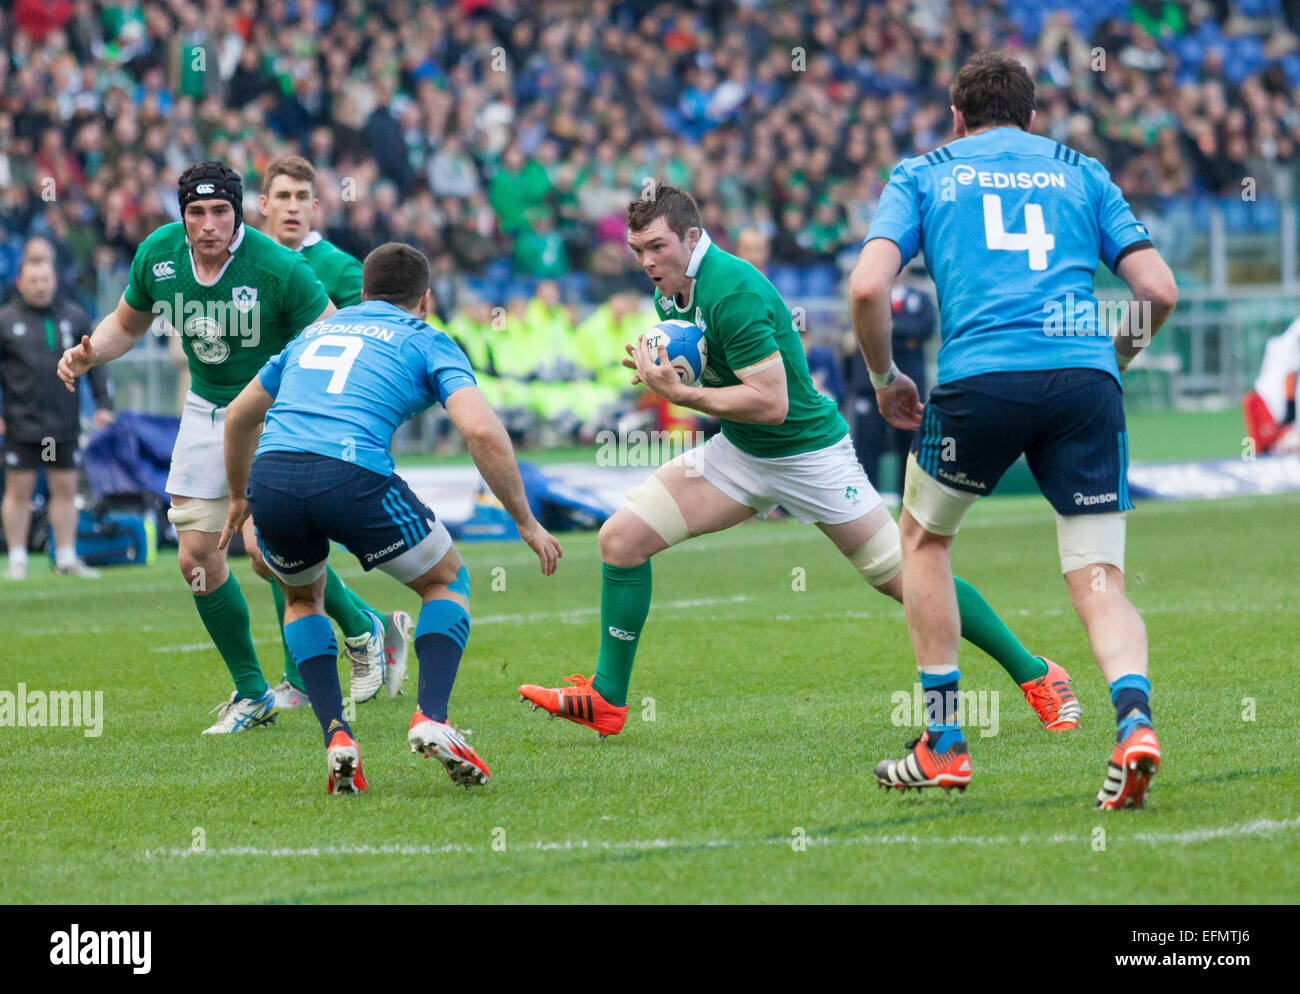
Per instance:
(324,471)
(1013,226)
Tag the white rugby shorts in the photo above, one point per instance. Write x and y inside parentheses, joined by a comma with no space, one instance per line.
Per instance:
(199,457)
(825,486)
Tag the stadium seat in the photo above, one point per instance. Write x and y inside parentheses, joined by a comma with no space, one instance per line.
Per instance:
(1259,8)
(1189,50)
(786,280)
(1266,215)
(573,287)
(520,288)
(1236,215)
(1291,66)
(819,280)
(481,286)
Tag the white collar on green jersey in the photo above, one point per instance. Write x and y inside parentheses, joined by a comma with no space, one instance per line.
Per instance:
(693,267)
(312,238)
(697,256)
(234,244)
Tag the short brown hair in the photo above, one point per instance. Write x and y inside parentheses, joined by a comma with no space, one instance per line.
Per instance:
(293,166)
(395,272)
(993,89)
(37,249)
(36,260)
(675,206)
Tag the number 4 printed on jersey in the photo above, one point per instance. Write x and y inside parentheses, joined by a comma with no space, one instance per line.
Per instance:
(340,364)
(1034,239)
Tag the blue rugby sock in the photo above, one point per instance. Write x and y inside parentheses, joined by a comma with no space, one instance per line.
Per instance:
(940,709)
(440,637)
(1131,695)
(312,644)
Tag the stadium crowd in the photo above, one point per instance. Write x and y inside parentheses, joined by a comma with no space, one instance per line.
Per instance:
(504,137)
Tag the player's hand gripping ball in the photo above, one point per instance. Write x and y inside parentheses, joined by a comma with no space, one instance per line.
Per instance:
(688,352)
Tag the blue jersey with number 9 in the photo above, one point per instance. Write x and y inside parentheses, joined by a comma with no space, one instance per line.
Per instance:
(1012,226)
(343,386)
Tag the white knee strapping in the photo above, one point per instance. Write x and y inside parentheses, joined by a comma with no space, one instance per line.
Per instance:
(652,503)
(200,514)
(1091,539)
(937,508)
(881,556)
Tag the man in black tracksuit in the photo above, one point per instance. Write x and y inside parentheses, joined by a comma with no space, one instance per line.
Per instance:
(41,420)
(914,321)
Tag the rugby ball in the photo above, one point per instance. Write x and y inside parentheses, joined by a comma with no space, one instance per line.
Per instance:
(688,352)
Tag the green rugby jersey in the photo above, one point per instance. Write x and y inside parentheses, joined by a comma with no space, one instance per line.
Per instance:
(262,298)
(338,272)
(744,320)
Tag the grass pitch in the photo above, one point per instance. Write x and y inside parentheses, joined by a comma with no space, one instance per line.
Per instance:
(757,712)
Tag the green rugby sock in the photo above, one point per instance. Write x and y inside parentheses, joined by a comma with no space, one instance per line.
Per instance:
(224,613)
(290,667)
(981,626)
(340,605)
(624,604)
(360,603)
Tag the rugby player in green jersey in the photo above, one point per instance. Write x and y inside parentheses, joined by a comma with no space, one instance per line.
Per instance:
(289,203)
(236,298)
(782,443)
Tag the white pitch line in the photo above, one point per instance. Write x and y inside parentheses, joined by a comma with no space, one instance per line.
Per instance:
(582,615)
(574,616)
(1259,827)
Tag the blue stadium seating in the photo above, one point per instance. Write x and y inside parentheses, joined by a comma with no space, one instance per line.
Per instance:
(819,280)
(786,279)
(480,287)
(1259,8)
(520,287)
(1291,66)
(573,287)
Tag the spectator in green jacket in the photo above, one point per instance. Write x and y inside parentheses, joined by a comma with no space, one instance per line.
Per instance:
(540,249)
(520,184)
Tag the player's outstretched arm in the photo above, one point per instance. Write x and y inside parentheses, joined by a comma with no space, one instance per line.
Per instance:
(489,445)
(116,335)
(244,419)
(1155,293)
(872,317)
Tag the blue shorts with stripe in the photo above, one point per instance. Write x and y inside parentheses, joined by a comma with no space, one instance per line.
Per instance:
(1069,423)
(300,501)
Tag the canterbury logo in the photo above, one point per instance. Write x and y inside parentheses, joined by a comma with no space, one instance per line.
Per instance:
(204,188)
(163,270)
(618,633)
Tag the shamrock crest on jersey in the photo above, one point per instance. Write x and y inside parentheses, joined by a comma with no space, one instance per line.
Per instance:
(244,297)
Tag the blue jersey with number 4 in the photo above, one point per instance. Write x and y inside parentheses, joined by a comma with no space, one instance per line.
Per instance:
(343,386)
(1012,226)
